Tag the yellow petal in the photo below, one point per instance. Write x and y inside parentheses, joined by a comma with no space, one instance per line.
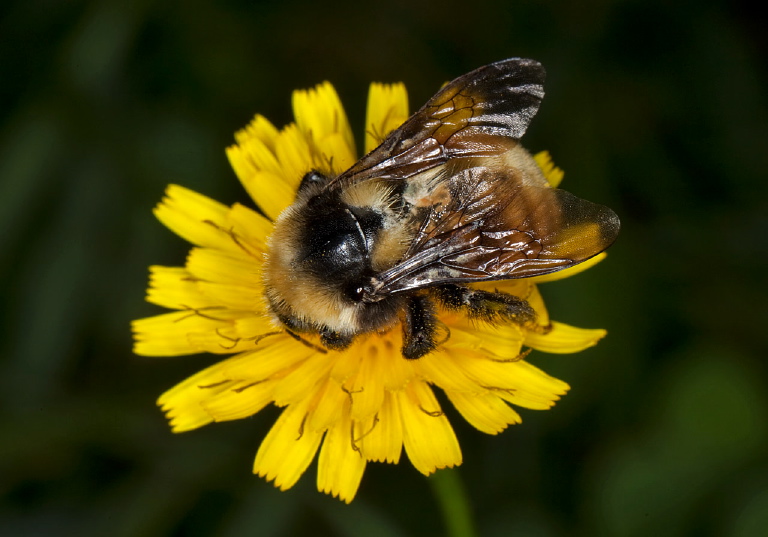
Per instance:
(287,449)
(329,402)
(271,193)
(194,217)
(251,157)
(563,338)
(228,280)
(272,355)
(256,161)
(216,266)
(536,301)
(442,369)
(516,381)
(235,297)
(240,400)
(528,400)
(428,437)
(192,388)
(168,334)
(552,173)
(500,342)
(189,417)
(320,114)
(347,363)
(396,372)
(572,271)
(366,390)
(303,379)
(260,129)
(529,387)
(387,110)
(340,466)
(484,411)
(382,436)
(334,155)
(252,229)
(229,338)
(184,403)
(175,288)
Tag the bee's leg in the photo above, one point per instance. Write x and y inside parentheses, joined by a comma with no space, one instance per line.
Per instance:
(486,305)
(303,341)
(334,340)
(419,327)
(330,340)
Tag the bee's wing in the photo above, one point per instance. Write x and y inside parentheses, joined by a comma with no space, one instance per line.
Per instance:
(495,227)
(475,115)
(479,220)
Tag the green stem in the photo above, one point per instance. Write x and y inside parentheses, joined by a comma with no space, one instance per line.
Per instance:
(454,503)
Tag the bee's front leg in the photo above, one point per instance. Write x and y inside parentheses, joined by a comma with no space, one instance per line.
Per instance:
(419,327)
(334,340)
(485,305)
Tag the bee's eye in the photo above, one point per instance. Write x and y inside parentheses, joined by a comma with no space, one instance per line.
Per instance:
(357,292)
(312,177)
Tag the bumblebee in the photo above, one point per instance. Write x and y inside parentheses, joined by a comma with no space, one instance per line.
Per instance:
(448,199)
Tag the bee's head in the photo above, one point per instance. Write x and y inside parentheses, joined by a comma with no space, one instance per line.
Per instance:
(319,261)
(335,241)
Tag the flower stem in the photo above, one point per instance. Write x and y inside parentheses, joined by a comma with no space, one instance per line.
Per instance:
(454,503)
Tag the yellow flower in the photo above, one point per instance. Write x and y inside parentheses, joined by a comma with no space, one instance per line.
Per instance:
(365,403)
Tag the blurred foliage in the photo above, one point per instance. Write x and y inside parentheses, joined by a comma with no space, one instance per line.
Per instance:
(656,109)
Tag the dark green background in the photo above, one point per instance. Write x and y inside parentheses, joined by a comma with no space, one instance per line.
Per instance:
(656,111)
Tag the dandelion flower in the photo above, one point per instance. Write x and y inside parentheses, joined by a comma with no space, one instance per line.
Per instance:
(365,403)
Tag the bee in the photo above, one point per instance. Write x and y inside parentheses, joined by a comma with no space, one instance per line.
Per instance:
(448,199)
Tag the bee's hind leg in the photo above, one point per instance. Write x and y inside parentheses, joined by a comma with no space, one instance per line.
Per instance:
(485,305)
